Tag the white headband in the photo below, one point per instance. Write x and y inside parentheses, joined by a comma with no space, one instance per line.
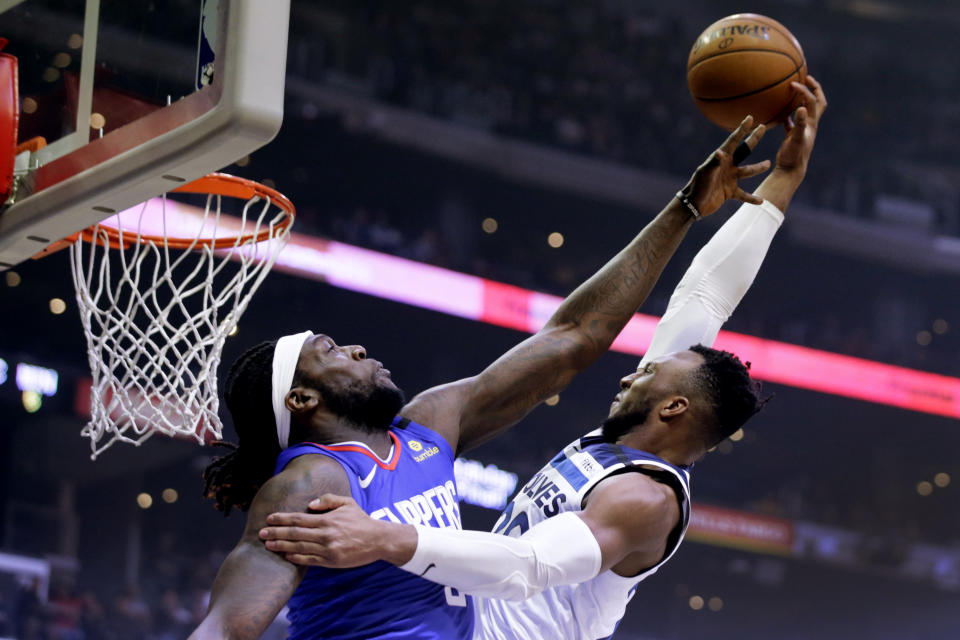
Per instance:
(285,357)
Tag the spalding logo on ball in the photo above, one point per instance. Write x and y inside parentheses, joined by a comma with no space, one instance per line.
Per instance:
(743,65)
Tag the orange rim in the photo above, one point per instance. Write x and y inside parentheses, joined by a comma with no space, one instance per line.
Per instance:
(222,184)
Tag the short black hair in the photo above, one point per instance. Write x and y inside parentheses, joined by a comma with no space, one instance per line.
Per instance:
(234,479)
(732,394)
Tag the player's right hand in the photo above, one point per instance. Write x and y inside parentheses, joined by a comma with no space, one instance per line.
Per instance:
(794,153)
(341,537)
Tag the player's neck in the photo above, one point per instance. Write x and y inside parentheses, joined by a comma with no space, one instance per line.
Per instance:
(337,430)
(664,444)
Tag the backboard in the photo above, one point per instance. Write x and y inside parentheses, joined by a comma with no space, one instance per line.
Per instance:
(133,99)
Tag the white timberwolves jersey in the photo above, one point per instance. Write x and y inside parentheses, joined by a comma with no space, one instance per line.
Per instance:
(589,610)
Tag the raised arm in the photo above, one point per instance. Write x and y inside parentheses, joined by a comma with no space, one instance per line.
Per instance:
(473,410)
(625,525)
(726,266)
(253,583)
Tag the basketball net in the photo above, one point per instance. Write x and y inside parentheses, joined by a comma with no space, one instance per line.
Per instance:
(157,308)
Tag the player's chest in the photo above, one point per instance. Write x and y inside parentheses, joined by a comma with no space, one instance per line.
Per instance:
(414,493)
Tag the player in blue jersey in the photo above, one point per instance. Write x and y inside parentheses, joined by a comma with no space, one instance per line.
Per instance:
(315,417)
(613,506)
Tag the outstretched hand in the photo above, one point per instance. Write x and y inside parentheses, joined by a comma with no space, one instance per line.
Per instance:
(343,536)
(717,179)
(794,153)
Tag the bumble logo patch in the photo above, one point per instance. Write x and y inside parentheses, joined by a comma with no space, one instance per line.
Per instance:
(432,451)
(423,454)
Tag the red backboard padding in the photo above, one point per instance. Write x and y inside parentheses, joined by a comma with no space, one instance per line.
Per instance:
(9,115)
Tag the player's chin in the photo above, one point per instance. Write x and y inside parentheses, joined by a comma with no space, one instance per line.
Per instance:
(390,392)
(384,380)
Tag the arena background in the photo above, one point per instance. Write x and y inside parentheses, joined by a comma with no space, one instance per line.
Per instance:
(407,125)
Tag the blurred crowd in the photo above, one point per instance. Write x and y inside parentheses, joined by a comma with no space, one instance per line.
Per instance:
(72,614)
(164,598)
(87,613)
(608,79)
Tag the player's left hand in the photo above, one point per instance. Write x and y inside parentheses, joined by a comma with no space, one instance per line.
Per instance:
(718,178)
(342,537)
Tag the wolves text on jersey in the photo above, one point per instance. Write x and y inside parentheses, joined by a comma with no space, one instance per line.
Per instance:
(545,494)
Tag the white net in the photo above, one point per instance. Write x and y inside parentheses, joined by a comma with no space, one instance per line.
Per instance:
(156,317)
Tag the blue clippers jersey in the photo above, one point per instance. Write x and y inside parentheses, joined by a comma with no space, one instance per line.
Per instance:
(379,600)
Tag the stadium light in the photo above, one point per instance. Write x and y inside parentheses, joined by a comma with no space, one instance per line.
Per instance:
(38,379)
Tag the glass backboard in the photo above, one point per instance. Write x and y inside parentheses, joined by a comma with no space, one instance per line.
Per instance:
(132,99)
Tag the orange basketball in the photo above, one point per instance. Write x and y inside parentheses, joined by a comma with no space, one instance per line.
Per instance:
(743,65)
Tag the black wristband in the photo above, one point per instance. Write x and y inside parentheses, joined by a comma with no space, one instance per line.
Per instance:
(685,201)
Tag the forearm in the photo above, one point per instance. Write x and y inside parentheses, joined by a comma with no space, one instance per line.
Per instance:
(600,307)
(251,588)
(561,550)
(779,186)
(716,281)
(580,331)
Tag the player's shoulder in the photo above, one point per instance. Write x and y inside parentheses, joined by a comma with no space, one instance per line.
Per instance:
(616,459)
(440,409)
(637,494)
(433,404)
(636,515)
(307,474)
(303,479)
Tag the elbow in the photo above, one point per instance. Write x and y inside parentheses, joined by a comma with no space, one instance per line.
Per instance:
(576,348)
(537,576)
(518,589)
(717,304)
(208,630)
(214,628)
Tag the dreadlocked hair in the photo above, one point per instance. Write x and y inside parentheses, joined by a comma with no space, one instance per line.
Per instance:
(731,392)
(232,480)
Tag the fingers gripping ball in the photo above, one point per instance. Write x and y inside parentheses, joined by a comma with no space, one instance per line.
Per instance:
(743,65)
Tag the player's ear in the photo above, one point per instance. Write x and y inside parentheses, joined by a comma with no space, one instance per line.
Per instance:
(301,399)
(673,407)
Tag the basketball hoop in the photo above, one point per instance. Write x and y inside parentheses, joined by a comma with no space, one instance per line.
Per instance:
(160,287)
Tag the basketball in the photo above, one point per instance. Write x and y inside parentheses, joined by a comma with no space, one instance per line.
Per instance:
(743,65)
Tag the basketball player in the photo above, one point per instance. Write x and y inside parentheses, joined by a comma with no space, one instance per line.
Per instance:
(614,505)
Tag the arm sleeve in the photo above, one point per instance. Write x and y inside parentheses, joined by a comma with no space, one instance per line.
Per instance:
(559,550)
(716,281)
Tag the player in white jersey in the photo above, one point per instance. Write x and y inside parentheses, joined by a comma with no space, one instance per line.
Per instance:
(590,609)
(614,505)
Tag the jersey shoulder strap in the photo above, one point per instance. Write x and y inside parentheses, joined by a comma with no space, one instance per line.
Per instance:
(408,430)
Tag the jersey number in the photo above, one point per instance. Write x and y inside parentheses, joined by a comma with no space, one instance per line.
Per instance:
(521,521)
(454,597)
